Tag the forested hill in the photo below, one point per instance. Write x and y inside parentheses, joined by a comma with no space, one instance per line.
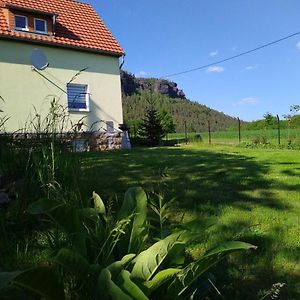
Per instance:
(140,93)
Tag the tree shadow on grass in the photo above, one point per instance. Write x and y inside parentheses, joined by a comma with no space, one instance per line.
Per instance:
(193,177)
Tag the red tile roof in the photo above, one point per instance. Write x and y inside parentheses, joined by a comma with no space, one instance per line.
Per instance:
(77,25)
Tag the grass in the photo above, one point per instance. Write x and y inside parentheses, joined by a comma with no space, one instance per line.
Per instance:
(289,137)
(252,193)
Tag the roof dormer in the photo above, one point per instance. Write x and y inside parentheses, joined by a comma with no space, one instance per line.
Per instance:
(31,21)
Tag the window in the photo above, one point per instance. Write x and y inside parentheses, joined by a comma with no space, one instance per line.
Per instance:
(21,23)
(78,97)
(110,126)
(40,25)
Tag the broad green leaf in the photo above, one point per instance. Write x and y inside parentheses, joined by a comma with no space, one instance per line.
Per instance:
(127,285)
(148,261)
(40,280)
(195,269)
(98,204)
(199,225)
(67,217)
(90,214)
(72,262)
(6,277)
(116,267)
(43,206)
(159,279)
(135,203)
(107,289)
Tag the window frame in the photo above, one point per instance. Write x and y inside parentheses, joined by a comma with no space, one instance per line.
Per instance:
(87,98)
(38,31)
(21,28)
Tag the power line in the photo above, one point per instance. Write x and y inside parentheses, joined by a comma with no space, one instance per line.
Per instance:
(232,57)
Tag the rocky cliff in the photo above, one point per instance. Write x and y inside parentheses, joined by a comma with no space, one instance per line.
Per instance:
(132,85)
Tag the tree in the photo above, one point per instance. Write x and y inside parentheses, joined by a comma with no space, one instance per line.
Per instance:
(269,119)
(166,122)
(151,127)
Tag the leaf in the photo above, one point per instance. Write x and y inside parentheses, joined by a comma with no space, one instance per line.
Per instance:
(6,277)
(98,204)
(90,214)
(159,279)
(66,217)
(72,262)
(199,225)
(127,285)
(43,206)
(40,280)
(135,202)
(195,269)
(148,261)
(107,289)
(116,267)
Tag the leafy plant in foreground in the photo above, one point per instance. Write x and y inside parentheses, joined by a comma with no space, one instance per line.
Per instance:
(108,257)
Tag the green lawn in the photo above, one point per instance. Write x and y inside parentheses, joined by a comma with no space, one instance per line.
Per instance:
(254,195)
(287,136)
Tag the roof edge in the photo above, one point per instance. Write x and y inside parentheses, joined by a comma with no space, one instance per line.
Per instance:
(22,8)
(61,45)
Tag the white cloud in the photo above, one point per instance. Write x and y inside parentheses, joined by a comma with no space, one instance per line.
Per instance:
(298,45)
(214,53)
(215,69)
(141,73)
(248,101)
(254,67)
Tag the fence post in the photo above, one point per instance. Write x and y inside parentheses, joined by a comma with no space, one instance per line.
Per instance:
(239,121)
(185,131)
(278,129)
(209,133)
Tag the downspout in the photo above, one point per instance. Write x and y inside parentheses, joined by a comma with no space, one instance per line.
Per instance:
(123,62)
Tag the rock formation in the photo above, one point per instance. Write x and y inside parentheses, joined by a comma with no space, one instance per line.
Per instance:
(132,84)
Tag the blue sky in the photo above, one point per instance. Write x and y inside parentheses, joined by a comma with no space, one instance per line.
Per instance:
(162,37)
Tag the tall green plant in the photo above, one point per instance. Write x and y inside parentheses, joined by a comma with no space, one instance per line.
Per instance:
(110,258)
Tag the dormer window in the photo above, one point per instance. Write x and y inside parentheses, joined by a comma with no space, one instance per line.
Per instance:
(40,26)
(21,23)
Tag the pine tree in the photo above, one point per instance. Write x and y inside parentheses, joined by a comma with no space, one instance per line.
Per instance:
(151,128)
(166,122)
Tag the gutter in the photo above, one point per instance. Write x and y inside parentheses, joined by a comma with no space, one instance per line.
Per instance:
(60,45)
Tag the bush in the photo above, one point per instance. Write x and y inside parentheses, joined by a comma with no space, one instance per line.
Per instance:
(111,257)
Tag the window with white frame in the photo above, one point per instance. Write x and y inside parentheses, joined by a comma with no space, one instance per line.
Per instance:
(21,22)
(78,97)
(40,25)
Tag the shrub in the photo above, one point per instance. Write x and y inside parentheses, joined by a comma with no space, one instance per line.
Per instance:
(111,257)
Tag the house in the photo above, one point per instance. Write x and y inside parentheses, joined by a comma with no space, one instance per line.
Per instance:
(58,49)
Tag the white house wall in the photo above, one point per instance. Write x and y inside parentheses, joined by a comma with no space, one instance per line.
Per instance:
(25,91)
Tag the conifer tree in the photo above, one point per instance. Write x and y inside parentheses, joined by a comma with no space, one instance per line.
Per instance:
(151,128)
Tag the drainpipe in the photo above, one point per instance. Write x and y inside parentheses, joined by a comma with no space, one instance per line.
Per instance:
(123,61)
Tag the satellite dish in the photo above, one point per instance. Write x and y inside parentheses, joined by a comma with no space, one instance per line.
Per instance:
(39,60)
